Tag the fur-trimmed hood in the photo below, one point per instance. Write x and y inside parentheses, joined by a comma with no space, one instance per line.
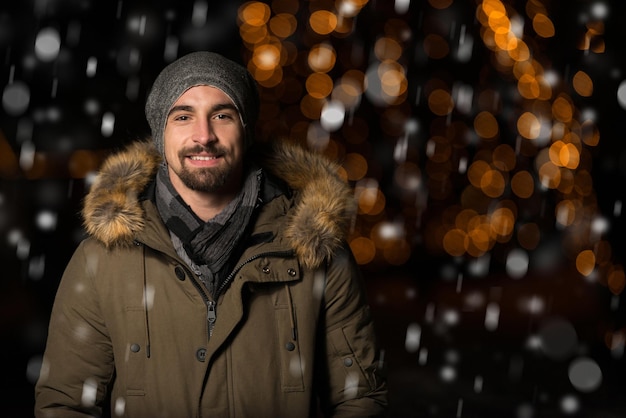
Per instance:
(113,213)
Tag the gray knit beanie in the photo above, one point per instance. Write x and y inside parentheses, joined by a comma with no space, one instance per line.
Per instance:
(202,69)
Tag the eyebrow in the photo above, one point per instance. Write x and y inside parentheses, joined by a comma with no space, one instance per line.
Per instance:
(216,108)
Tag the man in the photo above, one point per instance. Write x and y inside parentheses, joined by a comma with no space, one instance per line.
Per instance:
(211,285)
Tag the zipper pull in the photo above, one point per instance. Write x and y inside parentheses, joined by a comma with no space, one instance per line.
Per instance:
(211,316)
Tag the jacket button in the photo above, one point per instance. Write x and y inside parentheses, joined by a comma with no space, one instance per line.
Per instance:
(201,354)
(180,273)
(291,272)
(135,348)
(290,346)
(347,362)
(266,270)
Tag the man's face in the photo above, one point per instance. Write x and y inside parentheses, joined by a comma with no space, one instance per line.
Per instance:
(203,142)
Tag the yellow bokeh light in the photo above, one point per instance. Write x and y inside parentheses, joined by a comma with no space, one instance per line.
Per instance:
(543,26)
(363,249)
(479,240)
(323,22)
(590,133)
(585,262)
(566,185)
(253,35)
(518,50)
(492,183)
(266,57)
(492,6)
(523,184)
(476,172)
(616,280)
(321,58)
(504,158)
(455,242)
(464,218)
(499,22)
(319,85)
(356,166)
(564,155)
(311,107)
(583,84)
(283,25)
(254,13)
(565,212)
(550,175)
(528,125)
(528,86)
(486,125)
(440,102)
(562,109)
(503,221)
(393,81)
(370,199)
(387,48)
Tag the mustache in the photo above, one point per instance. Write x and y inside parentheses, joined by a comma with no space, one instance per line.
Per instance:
(198,149)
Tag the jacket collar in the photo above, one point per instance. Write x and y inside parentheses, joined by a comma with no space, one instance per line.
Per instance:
(316,226)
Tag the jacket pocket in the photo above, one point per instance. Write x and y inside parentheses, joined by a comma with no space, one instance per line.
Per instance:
(352,359)
(291,364)
(135,351)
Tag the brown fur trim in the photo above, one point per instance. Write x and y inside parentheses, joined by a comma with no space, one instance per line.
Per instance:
(112,213)
(323,214)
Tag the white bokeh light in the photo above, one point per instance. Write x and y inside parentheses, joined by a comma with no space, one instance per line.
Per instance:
(517,263)
(48,44)
(46,220)
(333,116)
(585,374)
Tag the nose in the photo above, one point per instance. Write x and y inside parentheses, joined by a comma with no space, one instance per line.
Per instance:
(203,132)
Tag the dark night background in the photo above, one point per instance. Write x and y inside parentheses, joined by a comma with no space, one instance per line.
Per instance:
(440,359)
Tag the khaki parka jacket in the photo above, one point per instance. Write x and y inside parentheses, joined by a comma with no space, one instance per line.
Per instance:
(134,333)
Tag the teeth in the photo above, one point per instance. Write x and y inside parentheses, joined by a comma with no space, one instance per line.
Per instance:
(202,158)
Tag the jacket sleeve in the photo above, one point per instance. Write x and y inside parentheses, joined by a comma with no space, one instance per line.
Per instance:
(354,385)
(78,360)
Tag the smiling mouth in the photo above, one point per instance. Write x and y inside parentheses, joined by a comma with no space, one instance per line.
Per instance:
(203,157)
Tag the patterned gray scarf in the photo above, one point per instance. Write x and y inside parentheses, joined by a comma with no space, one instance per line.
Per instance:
(206,246)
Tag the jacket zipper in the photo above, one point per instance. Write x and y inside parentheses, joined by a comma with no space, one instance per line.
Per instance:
(211,316)
(210,304)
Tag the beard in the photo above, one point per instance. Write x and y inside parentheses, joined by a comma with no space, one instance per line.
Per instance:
(205,179)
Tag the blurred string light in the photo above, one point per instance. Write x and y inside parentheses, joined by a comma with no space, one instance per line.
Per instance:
(549,154)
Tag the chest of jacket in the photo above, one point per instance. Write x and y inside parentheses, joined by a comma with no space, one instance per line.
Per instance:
(157,314)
